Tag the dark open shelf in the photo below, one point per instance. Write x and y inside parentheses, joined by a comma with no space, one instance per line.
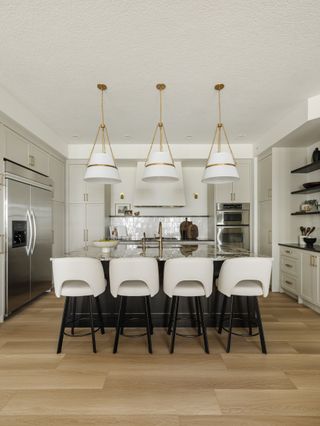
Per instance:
(308,168)
(303,213)
(307,190)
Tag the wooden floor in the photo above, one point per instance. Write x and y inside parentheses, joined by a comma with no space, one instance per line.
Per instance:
(188,388)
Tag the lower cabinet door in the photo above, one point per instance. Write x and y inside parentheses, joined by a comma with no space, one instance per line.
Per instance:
(76,226)
(289,283)
(309,278)
(95,227)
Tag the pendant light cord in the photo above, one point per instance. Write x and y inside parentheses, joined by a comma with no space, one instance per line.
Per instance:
(161,123)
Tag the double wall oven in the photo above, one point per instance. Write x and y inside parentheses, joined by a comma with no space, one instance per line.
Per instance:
(233,225)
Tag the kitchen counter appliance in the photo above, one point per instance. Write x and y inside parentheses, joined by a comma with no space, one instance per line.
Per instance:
(28,222)
(233,225)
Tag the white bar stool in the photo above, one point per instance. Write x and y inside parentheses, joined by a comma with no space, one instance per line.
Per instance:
(133,277)
(247,277)
(75,277)
(188,277)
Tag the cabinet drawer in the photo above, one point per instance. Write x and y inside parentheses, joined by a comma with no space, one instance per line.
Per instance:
(289,282)
(289,252)
(290,265)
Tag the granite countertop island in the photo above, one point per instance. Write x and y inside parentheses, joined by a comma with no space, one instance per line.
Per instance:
(160,304)
(171,250)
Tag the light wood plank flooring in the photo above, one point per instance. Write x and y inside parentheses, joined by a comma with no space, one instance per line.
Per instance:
(133,388)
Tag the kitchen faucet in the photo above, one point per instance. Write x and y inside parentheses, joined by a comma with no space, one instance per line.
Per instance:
(160,240)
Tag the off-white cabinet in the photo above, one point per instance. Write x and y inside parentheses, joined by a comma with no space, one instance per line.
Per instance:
(310,278)
(38,159)
(265,228)
(290,270)
(16,148)
(265,179)
(21,151)
(85,224)
(80,191)
(58,229)
(57,174)
(85,209)
(300,275)
(239,191)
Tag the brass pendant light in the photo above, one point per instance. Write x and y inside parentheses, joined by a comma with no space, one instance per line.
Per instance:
(159,164)
(101,166)
(221,164)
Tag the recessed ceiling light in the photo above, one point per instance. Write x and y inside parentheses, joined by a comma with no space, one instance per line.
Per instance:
(75,136)
(188,137)
(241,135)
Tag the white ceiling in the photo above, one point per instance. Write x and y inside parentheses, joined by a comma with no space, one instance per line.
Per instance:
(54,52)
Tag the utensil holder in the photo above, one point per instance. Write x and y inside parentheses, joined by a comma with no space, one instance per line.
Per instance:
(301,241)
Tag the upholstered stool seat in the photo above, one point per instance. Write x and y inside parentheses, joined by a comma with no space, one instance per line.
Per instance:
(247,277)
(133,277)
(188,277)
(76,277)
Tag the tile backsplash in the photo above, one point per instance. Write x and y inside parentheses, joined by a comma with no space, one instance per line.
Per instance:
(136,226)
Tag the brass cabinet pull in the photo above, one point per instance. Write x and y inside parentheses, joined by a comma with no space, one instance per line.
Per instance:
(288,251)
(32,161)
(288,282)
(84,235)
(287,265)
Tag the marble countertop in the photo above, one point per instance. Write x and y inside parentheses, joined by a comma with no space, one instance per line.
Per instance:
(315,248)
(170,251)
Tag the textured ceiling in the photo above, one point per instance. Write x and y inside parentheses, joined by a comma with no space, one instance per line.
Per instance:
(54,52)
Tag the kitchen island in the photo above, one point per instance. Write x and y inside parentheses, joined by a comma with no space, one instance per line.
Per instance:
(160,304)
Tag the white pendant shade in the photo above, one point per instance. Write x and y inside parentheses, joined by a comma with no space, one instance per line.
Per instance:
(221,168)
(102,169)
(160,168)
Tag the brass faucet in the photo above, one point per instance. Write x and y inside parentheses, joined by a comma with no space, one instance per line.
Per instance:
(144,244)
(160,240)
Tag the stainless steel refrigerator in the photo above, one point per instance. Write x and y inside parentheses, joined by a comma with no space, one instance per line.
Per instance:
(28,235)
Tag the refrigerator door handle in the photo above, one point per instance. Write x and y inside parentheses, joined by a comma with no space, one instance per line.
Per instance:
(28,247)
(34,231)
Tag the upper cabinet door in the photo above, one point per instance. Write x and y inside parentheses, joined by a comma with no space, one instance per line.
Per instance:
(242,189)
(76,184)
(38,160)
(79,190)
(95,192)
(223,192)
(265,179)
(16,148)
(57,174)
(239,191)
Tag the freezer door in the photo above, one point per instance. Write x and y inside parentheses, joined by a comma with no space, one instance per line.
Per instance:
(41,248)
(18,243)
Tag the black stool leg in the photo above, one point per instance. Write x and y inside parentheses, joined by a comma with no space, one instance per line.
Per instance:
(223,310)
(203,326)
(175,318)
(249,316)
(74,301)
(230,325)
(260,327)
(149,313)
(124,310)
(62,327)
(198,315)
(100,314)
(93,334)
(148,321)
(173,301)
(119,323)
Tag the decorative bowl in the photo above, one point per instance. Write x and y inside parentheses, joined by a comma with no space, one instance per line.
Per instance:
(309,241)
(106,245)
